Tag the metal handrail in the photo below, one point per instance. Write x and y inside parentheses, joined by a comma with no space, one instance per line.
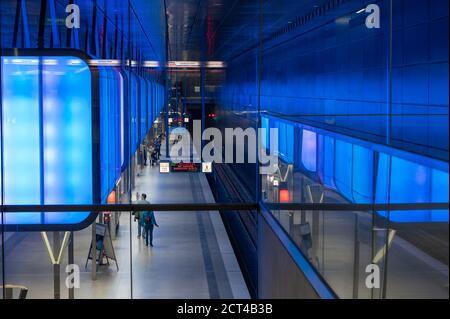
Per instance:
(221,207)
(357,207)
(128,207)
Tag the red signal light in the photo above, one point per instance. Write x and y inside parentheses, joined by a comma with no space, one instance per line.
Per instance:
(284,196)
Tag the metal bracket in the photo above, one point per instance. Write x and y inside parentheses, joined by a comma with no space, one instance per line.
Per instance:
(61,249)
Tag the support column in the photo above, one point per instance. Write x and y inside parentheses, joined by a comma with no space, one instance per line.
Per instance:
(166,118)
(94,250)
(56,266)
(258,116)
(356,258)
(202,90)
(166,78)
(185,96)
(71,262)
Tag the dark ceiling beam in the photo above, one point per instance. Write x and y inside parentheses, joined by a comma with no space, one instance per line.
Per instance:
(144,32)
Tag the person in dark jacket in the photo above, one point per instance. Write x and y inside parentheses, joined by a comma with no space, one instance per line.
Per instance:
(158,149)
(149,221)
(154,158)
(138,216)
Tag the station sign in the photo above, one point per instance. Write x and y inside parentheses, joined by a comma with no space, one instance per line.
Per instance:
(184,167)
(206,167)
(164,167)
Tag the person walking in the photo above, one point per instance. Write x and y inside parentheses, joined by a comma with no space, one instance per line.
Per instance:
(154,157)
(141,157)
(138,217)
(149,223)
(158,149)
(151,149)
(145,150)
(140,225)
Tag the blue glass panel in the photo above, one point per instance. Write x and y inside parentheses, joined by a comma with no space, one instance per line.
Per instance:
(265,137)
(328,169)
(439,186)
(67,136)
(111,112)
(290,143)
(118,84)
(134,91)
(439,194)
(150,105)
(66,145)
(409,176)
(309,150)
(282,138)
(104,121)
(415,183)
(20,102)
(382,188)
(21,131)
(343,168)
(143,108)
(113,148)
(362,175)
(122,122)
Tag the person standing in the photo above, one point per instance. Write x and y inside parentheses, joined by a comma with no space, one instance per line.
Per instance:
(149,223)
(154,158)
(145,154)
(158,149)
(141,156)
(138,217)
(150,151)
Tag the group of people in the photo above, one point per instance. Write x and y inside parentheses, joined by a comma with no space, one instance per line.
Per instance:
(146,221)
(153,148)
(155,151)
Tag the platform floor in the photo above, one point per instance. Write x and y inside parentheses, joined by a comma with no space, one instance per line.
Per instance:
(191,258)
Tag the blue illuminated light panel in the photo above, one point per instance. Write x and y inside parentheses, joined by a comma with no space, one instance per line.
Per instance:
(362,175)
(111,112)
(66,144)
(21,163)
(349,168)
(309,150)
(67,136)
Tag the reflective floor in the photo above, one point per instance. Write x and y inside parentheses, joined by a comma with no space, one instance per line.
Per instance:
(341,247)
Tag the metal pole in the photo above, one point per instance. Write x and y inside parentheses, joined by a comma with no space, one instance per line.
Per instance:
(71,262)
(166,120)
(389,126)
(94,251)
(202,90)
(258,124)
(185,95)
(166,74)
(130,173)
(3,281)
(176,92)
(258,116)
(356,260)
(56,266)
